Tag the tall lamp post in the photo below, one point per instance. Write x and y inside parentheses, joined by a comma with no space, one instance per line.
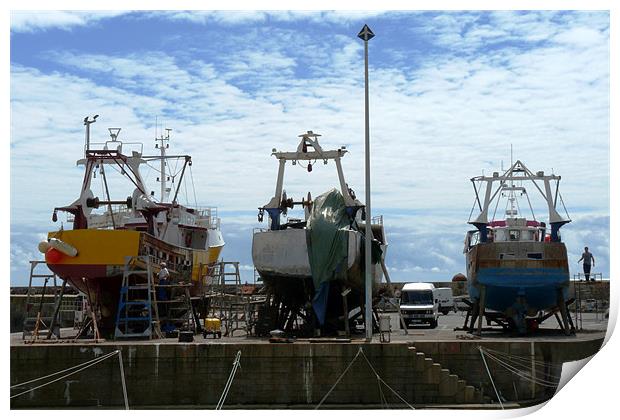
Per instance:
(366,35)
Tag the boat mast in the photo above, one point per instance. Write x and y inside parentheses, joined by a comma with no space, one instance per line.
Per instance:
(87,123)
(162,146)
(511,195)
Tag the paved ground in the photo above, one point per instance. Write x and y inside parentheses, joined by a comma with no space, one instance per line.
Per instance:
(593,326)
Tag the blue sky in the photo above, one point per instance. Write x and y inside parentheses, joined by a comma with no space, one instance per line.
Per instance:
(450,92)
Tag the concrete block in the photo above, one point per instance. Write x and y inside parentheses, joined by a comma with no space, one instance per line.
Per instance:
(449,386)
(459,397)
(479,397)
(470,393)
(428,362)
(435,373)
(418,365)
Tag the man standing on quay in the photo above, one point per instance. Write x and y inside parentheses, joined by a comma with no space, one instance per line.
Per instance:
(588,262)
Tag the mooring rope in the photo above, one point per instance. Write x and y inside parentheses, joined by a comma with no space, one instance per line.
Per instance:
(120,364)
(339,378)
(81,366)
(490,377)
(385,383)
(384,402)
(59,372)
(519,373)
(523,362)
(528,377)
(379,380)
(236,365)
(523,358)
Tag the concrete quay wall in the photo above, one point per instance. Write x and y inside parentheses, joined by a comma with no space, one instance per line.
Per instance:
(271,375)
(195,375)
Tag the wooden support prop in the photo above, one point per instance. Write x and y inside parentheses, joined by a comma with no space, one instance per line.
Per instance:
(92,313)
(465,324)
(37,325)
(402,320)
(56,311)
(387,278)
(564,312)
(345,311)
(483,293)
(557,318)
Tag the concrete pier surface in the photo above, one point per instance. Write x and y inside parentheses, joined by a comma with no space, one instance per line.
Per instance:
(427,368)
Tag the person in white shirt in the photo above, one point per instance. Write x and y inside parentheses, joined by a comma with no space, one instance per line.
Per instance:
(588,262)
(162,277)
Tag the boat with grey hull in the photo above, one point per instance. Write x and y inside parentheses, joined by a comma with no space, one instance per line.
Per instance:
(316,261)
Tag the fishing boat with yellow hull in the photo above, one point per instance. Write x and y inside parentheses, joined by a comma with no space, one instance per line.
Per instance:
(106,232)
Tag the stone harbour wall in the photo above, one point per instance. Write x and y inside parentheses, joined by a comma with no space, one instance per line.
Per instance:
(294,375)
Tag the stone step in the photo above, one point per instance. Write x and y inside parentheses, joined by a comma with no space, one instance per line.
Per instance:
(449,383)
(419,362)
(442,386)
(470,393)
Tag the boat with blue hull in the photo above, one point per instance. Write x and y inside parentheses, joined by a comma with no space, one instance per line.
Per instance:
(515,266)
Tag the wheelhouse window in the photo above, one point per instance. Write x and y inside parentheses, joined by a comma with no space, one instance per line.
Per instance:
(472,239)
(514,234)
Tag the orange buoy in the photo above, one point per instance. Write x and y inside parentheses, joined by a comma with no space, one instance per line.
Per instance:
(53,255)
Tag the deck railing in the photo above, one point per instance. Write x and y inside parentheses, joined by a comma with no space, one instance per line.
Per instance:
(207,217)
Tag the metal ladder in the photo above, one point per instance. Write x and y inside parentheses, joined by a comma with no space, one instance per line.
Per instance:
(37,312)
(178,308)
(230,277)
(137,315)
(233,308)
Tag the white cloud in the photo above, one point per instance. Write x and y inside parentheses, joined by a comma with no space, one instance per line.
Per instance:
(238,17)
(435,122)
(443,112)
(31,21)
(581,37)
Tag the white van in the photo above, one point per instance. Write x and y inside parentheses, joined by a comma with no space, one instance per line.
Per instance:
(446,300)
(419,304)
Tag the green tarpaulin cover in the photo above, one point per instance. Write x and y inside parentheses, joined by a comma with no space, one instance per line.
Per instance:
(328,242)
(327,231)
